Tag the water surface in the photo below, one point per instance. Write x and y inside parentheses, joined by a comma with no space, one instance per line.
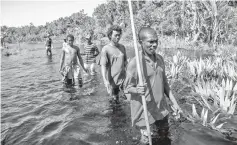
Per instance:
(38,110)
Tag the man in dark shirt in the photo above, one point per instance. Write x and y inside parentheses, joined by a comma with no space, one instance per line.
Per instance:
(48,45)
(113,62)
(153,71)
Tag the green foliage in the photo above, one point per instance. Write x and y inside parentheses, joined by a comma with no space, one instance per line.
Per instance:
(212,22)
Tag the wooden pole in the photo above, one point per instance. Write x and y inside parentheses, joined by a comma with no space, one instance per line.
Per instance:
(139,72)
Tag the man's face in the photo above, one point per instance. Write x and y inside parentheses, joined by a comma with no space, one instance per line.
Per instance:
(150,43)
(88,40)
(115,37)
(70,41)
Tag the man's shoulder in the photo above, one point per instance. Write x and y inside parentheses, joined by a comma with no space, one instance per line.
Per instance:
(65,48)
(93,44)
(76,47)
(121,45)
(89,45)
(105,48)
(159,57)
(161,60)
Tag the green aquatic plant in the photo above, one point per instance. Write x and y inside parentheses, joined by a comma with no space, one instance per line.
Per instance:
(204,118)
(229,71)
(176,65)
(206,91)
(227,96)
(203,69)
(217,97)
(196,69)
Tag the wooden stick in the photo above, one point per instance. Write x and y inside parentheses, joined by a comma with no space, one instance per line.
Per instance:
(139,72)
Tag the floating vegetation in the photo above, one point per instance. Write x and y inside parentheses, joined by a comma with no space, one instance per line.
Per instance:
(176,65)
(204,118)
(213,84)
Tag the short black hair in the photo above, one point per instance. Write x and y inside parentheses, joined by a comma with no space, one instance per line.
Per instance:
(70,36)
(144,30)
(113,28)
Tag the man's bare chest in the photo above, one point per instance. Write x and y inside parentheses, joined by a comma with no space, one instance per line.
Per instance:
(71,51)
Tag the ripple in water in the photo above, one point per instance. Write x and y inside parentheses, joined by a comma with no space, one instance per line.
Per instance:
(38,109)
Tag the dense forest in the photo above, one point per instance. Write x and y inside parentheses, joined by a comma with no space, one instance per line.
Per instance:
(211,22)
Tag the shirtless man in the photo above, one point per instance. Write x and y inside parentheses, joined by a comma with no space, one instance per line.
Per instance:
(113,61)
(71,69)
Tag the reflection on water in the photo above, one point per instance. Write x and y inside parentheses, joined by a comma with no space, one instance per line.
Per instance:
(38,109)
(50,58)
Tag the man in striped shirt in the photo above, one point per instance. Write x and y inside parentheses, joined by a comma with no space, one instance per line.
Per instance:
(91,51)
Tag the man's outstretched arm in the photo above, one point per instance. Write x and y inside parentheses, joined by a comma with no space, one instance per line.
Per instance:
(104,70)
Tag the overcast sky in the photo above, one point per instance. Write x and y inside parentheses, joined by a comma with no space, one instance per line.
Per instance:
(20,12)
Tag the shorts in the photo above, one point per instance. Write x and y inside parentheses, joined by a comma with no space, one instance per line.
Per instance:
(71,73)
(76,71)
(48,48)
(91,67)
(116,91)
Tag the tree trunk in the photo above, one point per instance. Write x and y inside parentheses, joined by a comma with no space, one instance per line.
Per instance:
(2,42)
(183,19)
(215,26)
(138,4)
(194,25)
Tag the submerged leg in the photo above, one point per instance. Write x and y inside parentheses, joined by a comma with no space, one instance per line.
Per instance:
(115,95)
(92,67)
(78,76)
(161,131)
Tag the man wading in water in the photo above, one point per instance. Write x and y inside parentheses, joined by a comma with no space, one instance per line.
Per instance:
(48,45)
(71,69)
(91,51)
(113,61)
(153,70)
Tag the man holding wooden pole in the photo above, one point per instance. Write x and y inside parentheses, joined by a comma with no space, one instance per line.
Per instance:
(146,83)
(155,85)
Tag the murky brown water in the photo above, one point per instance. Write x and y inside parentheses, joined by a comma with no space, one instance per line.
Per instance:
(37,110)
